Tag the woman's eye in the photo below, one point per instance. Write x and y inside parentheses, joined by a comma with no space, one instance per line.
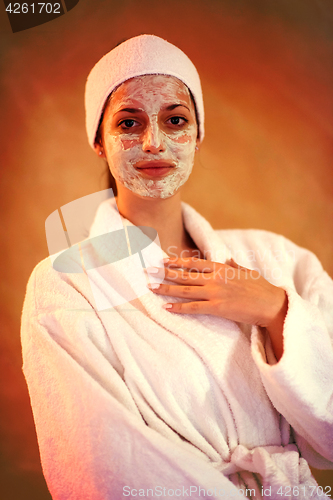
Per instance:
(177,120)
(129,123)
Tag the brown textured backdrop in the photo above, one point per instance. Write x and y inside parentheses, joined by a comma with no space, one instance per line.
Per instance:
(266,162)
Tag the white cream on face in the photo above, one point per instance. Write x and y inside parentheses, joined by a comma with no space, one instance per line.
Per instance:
(153,136)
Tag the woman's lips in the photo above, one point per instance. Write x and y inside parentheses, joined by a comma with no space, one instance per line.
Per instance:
(154,168)
(155,172)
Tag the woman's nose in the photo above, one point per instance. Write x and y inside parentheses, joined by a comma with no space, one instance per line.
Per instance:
(153,139)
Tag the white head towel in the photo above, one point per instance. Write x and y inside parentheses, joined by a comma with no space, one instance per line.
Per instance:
(141,55)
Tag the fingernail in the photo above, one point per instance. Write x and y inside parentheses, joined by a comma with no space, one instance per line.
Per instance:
(153,286)
(166,260)
(167,306)
(152,270)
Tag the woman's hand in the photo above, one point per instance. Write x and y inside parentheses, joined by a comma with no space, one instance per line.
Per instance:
(226,290)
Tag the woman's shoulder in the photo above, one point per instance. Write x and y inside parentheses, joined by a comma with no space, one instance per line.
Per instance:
(261,247)
(49,289)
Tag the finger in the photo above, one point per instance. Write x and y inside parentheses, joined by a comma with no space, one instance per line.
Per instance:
(186,292)
(202,265)
(191,276)
(201,307)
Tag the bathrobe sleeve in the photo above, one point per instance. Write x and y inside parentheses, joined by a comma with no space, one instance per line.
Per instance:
(93,442)
(300,385)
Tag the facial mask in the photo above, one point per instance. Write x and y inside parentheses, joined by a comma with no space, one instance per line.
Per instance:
(175,146)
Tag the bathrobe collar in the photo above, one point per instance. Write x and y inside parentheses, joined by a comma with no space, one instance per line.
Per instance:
(204,236)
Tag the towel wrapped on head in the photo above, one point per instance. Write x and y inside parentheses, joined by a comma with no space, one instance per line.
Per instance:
(141,55)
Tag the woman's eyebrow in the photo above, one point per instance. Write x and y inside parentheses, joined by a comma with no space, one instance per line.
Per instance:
(129,110)
(173,106)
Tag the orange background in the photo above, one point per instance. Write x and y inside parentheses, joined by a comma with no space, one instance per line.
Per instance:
(266,162)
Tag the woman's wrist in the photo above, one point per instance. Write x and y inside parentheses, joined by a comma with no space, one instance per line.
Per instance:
(275,326)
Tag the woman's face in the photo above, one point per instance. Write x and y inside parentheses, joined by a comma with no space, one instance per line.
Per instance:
(149,135)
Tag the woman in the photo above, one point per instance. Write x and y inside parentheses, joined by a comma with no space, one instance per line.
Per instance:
(217,381)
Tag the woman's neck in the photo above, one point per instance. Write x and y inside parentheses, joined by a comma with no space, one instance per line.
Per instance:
(164,215)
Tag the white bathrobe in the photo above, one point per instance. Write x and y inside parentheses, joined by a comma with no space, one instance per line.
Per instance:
(135,400)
